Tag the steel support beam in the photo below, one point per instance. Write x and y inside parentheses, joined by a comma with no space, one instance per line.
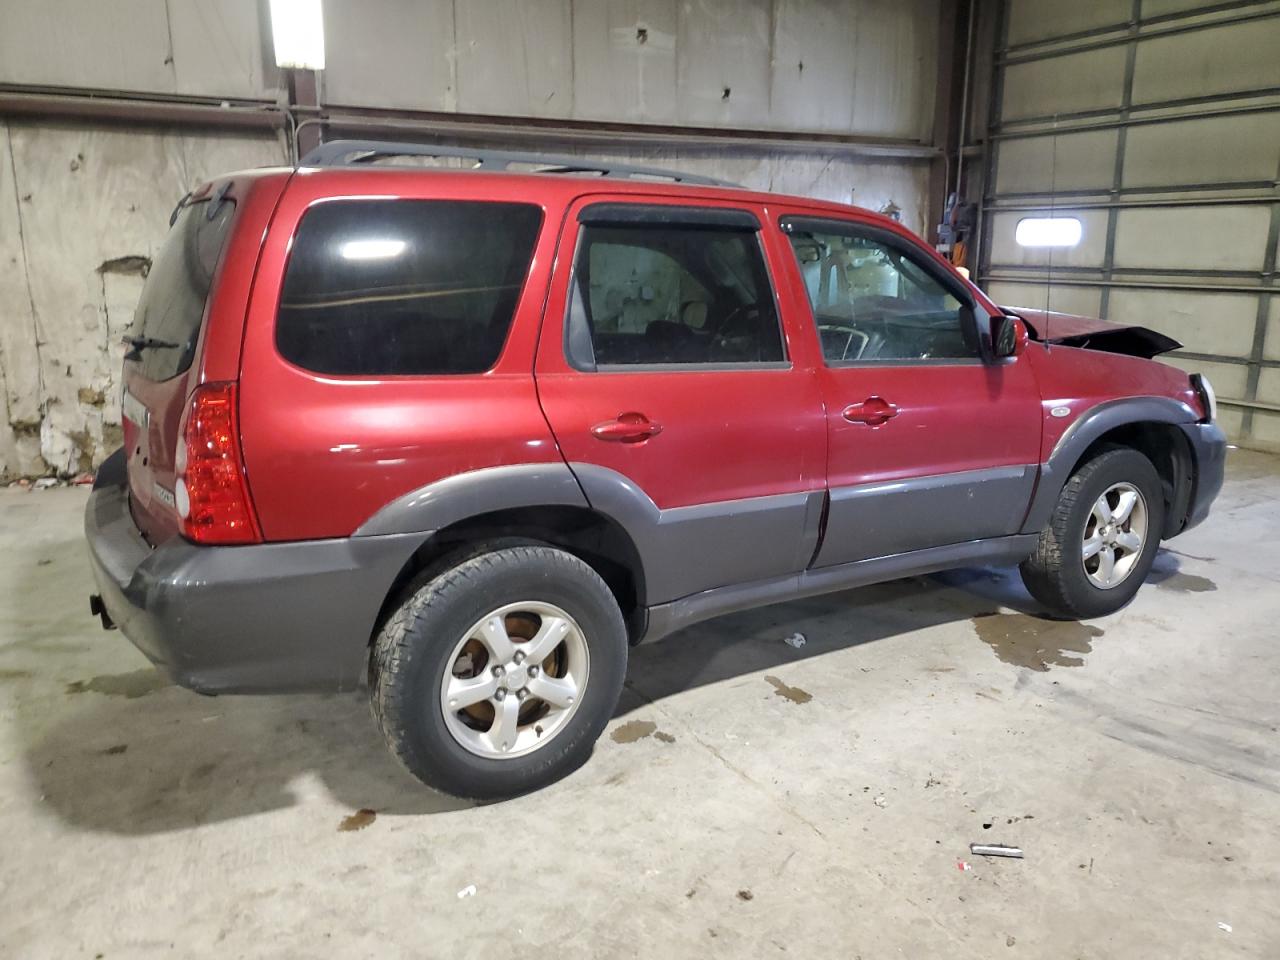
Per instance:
(211,113)
(482,129)
(948,105)
(142,111)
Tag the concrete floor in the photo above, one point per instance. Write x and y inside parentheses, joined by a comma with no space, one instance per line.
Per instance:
(750,799)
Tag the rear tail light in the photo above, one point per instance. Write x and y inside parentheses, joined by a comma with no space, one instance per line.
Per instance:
(211,494)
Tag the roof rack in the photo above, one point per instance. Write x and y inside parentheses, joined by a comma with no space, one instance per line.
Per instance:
(338,153)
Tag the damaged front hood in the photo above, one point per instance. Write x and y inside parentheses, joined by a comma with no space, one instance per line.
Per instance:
(1093,334)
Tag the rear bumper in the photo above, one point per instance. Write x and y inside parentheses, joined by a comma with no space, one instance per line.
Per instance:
(262,618)
(1209,448)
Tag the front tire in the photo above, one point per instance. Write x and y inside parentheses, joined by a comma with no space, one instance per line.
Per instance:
(497,676)
(1101,539)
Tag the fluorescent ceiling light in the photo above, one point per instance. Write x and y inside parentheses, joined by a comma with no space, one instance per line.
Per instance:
(297,30)
(372,249)
(1048,232)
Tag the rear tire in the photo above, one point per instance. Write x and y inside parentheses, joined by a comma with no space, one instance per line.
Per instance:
(1101,539)
(496,676)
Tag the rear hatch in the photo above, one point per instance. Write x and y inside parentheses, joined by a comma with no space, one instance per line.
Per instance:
(162,363)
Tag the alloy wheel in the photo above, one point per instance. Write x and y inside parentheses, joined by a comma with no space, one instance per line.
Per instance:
(1114,535)
(514,680)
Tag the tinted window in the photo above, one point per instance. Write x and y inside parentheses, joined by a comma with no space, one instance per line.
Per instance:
(874,302)
(171,308)
(666,294)
(404,286)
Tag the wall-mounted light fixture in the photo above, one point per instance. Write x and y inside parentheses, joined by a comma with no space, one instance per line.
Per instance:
(297,31)
(1048,232)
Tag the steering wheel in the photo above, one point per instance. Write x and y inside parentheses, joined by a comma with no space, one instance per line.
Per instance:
(852,336)
(740,325)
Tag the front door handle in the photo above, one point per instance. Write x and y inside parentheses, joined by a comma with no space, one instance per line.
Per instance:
(627,428)
(872,411)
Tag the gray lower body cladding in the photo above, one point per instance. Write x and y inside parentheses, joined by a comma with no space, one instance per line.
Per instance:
(261,618)
(667,618)
(901,516)
(1209,450)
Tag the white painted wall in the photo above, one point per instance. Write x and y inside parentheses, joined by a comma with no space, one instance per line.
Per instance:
(75,196)
(846,66)
(71,199)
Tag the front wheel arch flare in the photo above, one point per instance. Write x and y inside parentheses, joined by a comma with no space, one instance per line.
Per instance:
(1150,425)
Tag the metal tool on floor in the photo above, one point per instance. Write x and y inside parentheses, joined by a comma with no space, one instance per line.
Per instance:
(995,850)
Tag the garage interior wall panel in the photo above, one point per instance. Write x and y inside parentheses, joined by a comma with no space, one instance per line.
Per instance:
(82,209)
(1069,161)
(78,200)
(1157,124)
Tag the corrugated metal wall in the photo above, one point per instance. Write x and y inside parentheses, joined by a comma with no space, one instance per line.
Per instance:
(1157,124)
(76,198)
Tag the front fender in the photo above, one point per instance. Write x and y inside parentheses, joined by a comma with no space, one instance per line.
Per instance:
(1093,424)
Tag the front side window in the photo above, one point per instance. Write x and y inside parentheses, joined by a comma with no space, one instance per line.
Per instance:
(873,301)
(671,293)
(413,287)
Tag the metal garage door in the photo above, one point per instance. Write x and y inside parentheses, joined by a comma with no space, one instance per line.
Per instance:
(1156,123)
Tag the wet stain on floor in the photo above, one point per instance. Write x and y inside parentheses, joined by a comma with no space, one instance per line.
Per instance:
(131,686)
(794,694)
(1167,573)
(15,675)
(634,730)
(1187,583)
(1036,644)
(358,820)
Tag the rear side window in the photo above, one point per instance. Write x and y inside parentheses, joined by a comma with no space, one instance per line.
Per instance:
(387,287)
(171,308)
(662,293)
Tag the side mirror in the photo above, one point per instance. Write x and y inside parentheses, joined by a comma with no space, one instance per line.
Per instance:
(1008,337)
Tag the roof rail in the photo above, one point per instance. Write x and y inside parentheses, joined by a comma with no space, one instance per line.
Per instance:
(338,153)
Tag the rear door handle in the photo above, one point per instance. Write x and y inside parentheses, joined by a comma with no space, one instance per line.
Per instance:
(627,428)
(872,411)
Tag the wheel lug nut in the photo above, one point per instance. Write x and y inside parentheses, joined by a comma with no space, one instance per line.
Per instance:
(521,694)
(533,671)
(498,671)
(500,695)
(519,657)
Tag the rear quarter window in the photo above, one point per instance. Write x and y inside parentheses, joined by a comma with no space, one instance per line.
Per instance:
(171,308)
(404,287)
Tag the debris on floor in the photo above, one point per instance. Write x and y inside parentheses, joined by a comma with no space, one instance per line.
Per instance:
(746,895)
(468,891)
(796,640)
(880,802)
(995,850)
(1224,927)
(964,866)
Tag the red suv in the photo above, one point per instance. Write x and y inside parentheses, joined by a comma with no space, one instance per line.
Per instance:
(469,434)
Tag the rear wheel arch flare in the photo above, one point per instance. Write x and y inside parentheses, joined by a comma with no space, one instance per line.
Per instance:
(596,539)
